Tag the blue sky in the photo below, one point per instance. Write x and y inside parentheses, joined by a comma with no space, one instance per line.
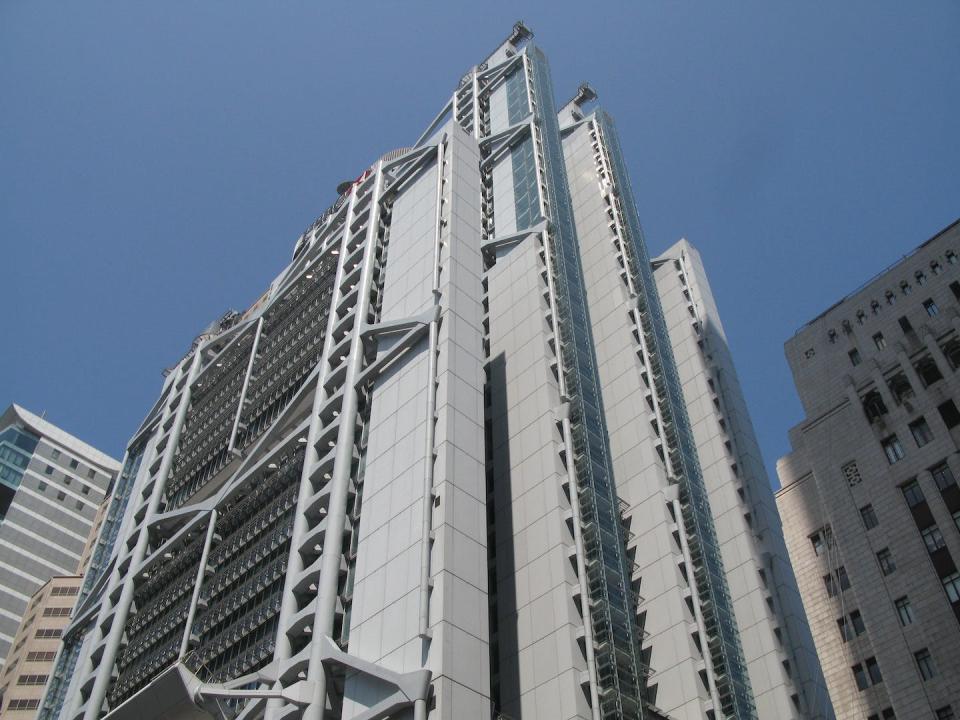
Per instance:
(158,160)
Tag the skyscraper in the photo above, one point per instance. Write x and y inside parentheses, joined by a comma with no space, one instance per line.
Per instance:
(870,501)
(414,478)
(51,485)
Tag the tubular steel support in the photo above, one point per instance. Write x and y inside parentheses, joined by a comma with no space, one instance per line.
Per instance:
(342,466)
(195,598)
(246,383)
(301,525)
(104,671)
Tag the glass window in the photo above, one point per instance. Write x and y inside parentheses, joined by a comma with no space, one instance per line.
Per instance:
(945,713)
(74,464)
(873,669)
(931,307)
(920,277)
(869,517)
(846,632)
(933,538)
(91,473)
(935,267)
(85,489)
(860,677)
(888,714)
(56,454)
(912,493)
(925,663)
(48,470)
(951,257)
(842,578)
(904,610)
(900,387)
(951,584)
(885,559)
(955,289)
(61,495)
(943,476)
(42,486)
(905,324)
(891,298)
(892,449)
(921,432)
(821,541)
(856,621)
(928,371)
(905,288)
(879,341)
(949,414)
(854,356)
(830,583)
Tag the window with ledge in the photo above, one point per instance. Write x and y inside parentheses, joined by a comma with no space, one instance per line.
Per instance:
(931,307)
(951,586)
(900,387)
(885,560)
(921,432)
(928,371)
(892,449)
(869,517)
(943,476)
(821,540)
(925,663)
(951,349)
(904,610)
(933,538)
(949,414)
(854,356)
(912,493)
(879,341)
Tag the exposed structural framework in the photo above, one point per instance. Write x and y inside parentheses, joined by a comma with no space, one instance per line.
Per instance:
(402,483)
(870,498)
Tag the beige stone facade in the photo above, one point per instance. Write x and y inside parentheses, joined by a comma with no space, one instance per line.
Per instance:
(869,498)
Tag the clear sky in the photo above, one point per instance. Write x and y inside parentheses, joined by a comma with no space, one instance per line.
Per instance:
(158,160)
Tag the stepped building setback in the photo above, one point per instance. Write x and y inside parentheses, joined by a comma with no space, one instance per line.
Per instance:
(869,495)
(447,466)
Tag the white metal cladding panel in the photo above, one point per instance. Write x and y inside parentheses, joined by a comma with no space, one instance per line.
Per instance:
(411,250)
(538,622)
(384,618)
(638,469)
(499,117)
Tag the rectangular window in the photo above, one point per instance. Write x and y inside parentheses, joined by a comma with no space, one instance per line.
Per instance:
(55,454)
(846,632)
(925,663)
(91,473)
(928,371)
(933,538)
(888,714)
(921,432)
(943,476)
(869,517)
(856,621)
(74,464)
(61,495)
(48,633)
(951,585)
(931,307)
(830,583)
(892,449)
(945,713)
(860,677)
(885,559)
(23,704)
(854,357)
(949,413)
(879,341)
(32,680)
(842,578)
(873,669)
(48,470)
(821,541)
(912,493)
(904,610)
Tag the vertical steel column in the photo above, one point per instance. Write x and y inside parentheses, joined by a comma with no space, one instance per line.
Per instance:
(195,598)
(420,705)
(342,467)
(246,384)
(295,565)
(102,683)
